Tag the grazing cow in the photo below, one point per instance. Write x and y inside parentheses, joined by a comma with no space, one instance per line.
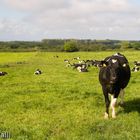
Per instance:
(96,63)
(114,76)
(38,72)
(3,73)
(81,66)
(76,65)
(76,58)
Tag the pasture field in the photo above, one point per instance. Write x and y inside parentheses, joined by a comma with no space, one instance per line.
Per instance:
(61,103)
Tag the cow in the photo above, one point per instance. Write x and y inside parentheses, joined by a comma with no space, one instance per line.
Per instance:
(136,63)
(95,63)
(76,58)
(135,69)
(114,75)
(38,72)
(82,68)
(3,73)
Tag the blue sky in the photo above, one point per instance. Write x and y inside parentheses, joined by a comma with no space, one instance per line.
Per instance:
(80,19)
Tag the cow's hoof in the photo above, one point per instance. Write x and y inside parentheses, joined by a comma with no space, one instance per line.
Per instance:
(106,116)
(113,116)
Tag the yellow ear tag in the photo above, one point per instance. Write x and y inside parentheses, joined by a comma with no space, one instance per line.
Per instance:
(104,65)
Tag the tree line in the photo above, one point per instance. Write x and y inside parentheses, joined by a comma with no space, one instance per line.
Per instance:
(69,45)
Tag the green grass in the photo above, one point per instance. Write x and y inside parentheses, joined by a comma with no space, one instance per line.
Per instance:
(63,104)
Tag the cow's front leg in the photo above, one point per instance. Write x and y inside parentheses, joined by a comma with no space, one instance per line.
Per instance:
(112,105)
(107,102)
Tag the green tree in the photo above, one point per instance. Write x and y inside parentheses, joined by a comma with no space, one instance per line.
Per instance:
(70,46)
(124,44)
(136,45)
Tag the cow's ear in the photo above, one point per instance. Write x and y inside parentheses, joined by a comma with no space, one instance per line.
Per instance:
(103,63)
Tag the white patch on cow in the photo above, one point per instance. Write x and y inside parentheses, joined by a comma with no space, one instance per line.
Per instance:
(118,54)
(124,65)
(68,65)
(114,60)
(79,69)
(66,61)
(112,105)
(106,116)
(80,62)
(37,72)
(136,69)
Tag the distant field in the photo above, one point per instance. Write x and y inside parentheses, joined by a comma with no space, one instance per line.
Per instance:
(63,104)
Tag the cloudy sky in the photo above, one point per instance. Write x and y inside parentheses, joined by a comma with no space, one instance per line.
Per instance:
(80,19)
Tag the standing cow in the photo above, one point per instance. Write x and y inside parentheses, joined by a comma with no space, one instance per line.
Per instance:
(114,76)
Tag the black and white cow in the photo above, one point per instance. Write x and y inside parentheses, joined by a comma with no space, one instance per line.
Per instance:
(136,63)
(135,69)
(3,73)
(82,68)
(38,72)
(114,76)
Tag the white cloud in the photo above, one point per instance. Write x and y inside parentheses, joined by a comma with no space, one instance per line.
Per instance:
(35,5)
(73,18)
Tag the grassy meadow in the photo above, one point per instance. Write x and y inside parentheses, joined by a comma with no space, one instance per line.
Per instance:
(61,103)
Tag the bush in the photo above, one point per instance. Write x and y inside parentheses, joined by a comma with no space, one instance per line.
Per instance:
(70,46)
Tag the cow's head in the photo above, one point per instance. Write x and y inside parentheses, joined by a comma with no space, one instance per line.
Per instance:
(112,67)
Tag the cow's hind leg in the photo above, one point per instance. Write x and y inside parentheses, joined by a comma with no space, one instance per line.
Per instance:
(121,103)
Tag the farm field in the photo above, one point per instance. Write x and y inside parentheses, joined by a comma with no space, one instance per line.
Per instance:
(61,103)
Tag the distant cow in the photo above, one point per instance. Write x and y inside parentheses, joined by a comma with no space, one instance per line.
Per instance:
(114,76)
(135,69)
(76,58)
(38,72)
(96,63)
(136,63)
(82,69)
(3,73)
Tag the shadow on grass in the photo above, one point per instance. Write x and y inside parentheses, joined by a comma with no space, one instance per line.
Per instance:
(132,106)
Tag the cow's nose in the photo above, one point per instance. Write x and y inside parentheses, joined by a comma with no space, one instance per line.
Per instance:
(113,80)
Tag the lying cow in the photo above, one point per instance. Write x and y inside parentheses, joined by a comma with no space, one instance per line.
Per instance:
(136,63)
(114,76)
(3,73)
(38,72)
(135,69)
(82,69)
